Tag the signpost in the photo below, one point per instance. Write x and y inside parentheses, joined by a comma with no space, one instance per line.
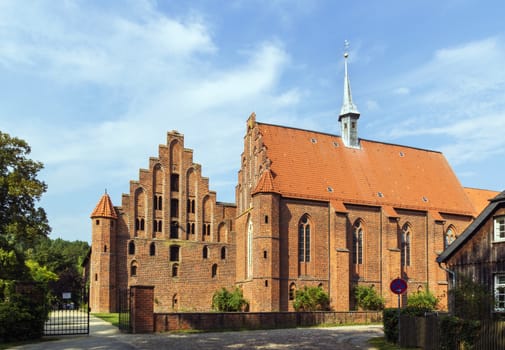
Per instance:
(398,286)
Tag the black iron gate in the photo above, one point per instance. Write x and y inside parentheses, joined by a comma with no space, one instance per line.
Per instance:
(68,317)
(124,310)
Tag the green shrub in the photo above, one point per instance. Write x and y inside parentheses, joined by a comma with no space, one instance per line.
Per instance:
(368,299)
(311,299)
(457,331)
(472,301)
(390,321)
(22,316)
(226,301)
(422,300)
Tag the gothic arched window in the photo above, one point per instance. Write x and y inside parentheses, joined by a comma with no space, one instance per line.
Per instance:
(405,247)
(131,248)
(292,291)
(449,236)
(133,269)
(357,243)
(304,239)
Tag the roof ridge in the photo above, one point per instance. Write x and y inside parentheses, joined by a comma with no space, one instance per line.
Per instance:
(339,136)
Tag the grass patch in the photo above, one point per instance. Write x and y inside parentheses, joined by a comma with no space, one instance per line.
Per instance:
(112,318)
(381,344)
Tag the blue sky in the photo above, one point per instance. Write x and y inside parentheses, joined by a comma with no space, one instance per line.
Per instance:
(93,86)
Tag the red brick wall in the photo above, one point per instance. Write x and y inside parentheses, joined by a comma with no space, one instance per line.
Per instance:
(258,320)
(141,309)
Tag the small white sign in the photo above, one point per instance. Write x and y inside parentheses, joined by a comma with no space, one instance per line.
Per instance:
(67,295)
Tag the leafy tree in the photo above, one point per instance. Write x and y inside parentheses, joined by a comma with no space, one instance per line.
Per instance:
(226,301)
(20,220)
(422,300)
(311,299)
(64,258)
(472,301)
(368,299)
(23,302)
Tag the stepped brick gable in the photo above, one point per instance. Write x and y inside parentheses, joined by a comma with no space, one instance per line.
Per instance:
(169,233)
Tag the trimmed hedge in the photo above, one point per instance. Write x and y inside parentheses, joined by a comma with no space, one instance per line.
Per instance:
(390,319)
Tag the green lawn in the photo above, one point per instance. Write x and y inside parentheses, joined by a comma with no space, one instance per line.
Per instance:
(112,318)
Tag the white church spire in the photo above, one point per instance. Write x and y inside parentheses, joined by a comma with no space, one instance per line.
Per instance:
(349,113)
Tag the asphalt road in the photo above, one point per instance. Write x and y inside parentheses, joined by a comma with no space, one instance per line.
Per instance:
(104,336)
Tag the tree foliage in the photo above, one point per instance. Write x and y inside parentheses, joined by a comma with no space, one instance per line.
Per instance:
(226,301)
(64,258)
(311,299)
(368,299)
(422,300)
(472,301)
(24,303)
(20,219)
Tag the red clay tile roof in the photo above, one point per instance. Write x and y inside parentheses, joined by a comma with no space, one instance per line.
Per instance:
(480,198)
(308,164)
(338,206)
(104,208)
(265,183)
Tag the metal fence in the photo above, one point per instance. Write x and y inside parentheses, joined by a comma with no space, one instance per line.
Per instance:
(67,322)
(69,318)
(124,310)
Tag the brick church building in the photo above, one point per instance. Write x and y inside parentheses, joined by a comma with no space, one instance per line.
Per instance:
(312,209)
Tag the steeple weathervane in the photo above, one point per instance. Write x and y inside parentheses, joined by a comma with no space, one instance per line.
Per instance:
(349,113)
(347,106)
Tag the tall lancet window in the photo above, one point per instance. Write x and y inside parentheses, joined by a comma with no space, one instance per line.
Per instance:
(405,247)
(249,249)
(357,243)
(304,239)
(450,236)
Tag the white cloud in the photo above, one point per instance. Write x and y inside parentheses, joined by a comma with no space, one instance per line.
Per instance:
(76,43)
(461,99)
(401,91)
(372,105)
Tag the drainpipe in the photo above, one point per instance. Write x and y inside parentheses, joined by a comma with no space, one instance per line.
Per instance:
(452,275)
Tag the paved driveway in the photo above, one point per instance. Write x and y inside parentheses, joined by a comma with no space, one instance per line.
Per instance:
(104,336)
(334,338)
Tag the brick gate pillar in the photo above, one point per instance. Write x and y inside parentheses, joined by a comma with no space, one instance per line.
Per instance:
(142,309)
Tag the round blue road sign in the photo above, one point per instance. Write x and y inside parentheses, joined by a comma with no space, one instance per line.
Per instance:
(398,286)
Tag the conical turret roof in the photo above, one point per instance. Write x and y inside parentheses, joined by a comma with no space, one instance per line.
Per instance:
(104,208)
(265,183)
